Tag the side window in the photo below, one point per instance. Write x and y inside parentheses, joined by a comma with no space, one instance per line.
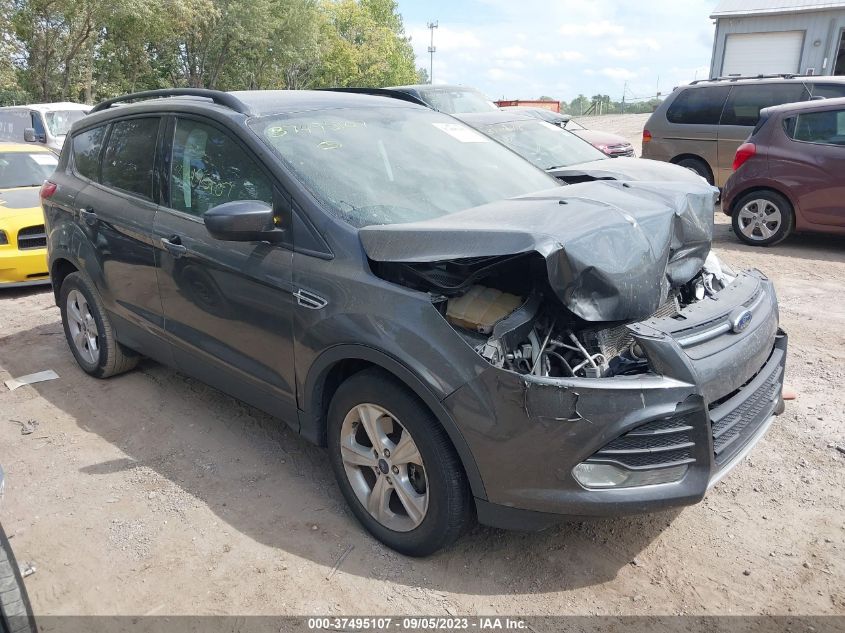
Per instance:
(829,91)
(827,128)
(86,152)
(209,168)
(698,105)
(745,102)
(130,156)
(37,124)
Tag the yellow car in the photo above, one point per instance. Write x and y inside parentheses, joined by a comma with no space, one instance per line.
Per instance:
(23,243)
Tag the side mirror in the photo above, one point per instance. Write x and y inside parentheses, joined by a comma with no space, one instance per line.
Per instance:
(29,135)
(242,221)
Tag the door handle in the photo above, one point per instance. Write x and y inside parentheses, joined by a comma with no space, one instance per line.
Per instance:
(88,216)
(173,245)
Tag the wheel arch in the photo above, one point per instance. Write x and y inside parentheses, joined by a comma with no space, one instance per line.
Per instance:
(340,362)
(677,159)
(60,268)
(758,188)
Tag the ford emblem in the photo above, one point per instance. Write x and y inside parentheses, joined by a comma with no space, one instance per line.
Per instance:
(740,320)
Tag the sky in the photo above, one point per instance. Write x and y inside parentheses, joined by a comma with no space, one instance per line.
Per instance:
(561,48)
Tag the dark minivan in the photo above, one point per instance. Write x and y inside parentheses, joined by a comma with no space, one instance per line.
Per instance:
(467,337)
(701,125)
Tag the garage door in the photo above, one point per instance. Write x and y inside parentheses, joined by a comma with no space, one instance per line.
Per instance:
(763,53)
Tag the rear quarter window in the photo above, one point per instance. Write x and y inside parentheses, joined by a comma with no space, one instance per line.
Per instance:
(745,102)
(699,106)
(86,152)
(829,91)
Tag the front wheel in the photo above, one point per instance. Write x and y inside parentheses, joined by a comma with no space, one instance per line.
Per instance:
(395,465)
(762,218)
(15,611)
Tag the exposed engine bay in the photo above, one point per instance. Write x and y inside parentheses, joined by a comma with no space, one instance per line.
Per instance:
(527,329)
(546,284)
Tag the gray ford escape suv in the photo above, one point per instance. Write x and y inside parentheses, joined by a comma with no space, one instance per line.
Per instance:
(468,337)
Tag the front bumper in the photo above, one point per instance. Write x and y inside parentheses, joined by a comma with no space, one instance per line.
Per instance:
(23,267)
(722,388)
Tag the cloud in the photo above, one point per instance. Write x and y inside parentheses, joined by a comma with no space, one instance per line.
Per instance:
(560,56)
(498,74)
(447,39)
(513,52)
(592,29)
(621,74)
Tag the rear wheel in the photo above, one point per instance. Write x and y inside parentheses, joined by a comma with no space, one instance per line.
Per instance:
(698,166)
(15,611)
(395,465)
(89,333)
(762,218)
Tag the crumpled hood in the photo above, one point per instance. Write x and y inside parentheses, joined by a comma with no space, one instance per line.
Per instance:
(625,168)
(612,249)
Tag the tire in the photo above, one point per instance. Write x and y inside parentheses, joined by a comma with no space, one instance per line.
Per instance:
(110,357)
(749,214)
(15,610)
(440,479)
(698,166)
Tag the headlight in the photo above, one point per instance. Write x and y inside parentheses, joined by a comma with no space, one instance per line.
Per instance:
(3,239)
(592,475)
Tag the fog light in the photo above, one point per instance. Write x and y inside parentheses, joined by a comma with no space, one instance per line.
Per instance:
(3,239)
(592,475)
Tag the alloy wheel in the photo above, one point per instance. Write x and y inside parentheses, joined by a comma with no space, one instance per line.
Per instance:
(759,219)
(83,327)
(384,467)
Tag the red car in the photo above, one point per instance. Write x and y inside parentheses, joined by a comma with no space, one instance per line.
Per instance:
(790,174)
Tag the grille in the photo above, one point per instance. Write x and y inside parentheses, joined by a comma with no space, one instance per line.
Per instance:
(735,419)
(32,237)
(657,444)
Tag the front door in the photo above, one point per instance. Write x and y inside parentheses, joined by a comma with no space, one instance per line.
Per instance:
(228,305)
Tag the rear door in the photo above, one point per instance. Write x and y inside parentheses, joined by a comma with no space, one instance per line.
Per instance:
(740,115)
(228,305)
(115,209)
(818,142)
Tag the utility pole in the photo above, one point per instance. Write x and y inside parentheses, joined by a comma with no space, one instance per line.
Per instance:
(431,50)
(624,91)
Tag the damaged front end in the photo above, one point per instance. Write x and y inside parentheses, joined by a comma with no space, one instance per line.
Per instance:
(627,370)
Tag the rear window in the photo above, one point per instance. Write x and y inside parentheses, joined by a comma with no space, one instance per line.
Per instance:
(86,152)
(829,91)
(745,102)
(130,156)
(699,106)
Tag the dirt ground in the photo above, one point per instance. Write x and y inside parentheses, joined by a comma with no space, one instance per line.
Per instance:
(151,493)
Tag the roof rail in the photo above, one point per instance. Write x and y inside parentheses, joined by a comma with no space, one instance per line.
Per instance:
(381,92)
(737,78)
(217,96)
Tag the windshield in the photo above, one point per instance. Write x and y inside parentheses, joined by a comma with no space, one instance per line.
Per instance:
(23,169)
(542,143)
(457,100)
(385,165)
(59,121)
